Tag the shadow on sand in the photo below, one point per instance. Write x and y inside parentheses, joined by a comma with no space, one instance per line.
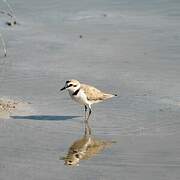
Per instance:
(45,117)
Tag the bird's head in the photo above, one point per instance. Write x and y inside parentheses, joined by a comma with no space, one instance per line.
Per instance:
(71,85)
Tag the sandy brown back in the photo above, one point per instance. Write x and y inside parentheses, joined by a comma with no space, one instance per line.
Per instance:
(93,94)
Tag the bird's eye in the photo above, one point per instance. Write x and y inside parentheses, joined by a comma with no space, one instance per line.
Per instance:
(74,85)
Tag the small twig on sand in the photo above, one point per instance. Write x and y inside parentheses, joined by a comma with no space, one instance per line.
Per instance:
(10,13)
(3,45)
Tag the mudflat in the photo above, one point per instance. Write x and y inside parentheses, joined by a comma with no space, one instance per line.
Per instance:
(130,48)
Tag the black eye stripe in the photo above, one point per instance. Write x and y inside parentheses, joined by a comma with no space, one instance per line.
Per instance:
(72,85)
(69,85)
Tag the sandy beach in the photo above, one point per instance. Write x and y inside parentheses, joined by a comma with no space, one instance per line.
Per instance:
(130,48)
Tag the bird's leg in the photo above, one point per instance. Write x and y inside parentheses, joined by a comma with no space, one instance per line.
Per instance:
(85,110)
(87,128)
(90,111)
(85,121)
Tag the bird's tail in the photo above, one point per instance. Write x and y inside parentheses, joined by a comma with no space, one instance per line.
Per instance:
(107,96)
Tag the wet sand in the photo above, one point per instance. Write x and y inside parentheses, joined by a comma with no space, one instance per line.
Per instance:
(130,48)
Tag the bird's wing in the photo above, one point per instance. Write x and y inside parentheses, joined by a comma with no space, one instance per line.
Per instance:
(92,93)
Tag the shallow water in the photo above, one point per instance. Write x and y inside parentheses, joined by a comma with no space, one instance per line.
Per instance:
(127,47)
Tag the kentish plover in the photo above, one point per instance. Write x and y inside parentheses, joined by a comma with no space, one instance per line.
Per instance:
(85,94)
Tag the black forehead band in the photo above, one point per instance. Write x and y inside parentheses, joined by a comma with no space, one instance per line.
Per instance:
(67,82)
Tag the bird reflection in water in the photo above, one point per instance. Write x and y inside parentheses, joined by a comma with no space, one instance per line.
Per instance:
(85,148)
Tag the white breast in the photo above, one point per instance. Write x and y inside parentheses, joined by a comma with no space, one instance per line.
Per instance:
(80,97)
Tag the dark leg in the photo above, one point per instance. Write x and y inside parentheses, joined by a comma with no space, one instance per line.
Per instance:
(85,108)
(87,128)
(85,121)
(90,111)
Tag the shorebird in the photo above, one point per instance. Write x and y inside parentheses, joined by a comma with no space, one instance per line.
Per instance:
(85,95)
